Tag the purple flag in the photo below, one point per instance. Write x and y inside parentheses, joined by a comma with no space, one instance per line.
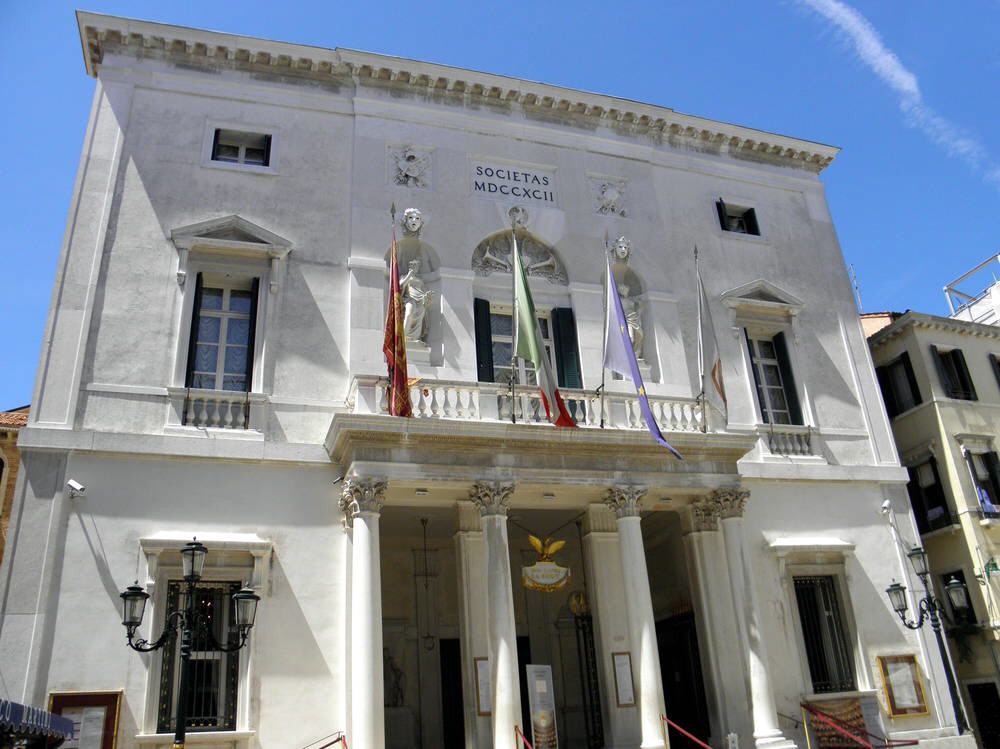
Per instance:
(620,357)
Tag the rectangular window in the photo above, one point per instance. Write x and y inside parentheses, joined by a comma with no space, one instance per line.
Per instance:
(221,347)
(235,147)
(899,385)
(930,508)
(214,674)
(986,475)
(772,374)
(502,340)
(968,616)
(954,374)
(826,643)
(737,219)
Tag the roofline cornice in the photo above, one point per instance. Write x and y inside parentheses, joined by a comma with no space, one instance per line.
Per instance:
(100,33)
(931,322)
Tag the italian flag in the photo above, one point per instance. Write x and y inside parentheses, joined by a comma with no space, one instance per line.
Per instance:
(528,344)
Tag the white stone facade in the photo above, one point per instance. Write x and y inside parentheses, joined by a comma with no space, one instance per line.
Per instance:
(254,474)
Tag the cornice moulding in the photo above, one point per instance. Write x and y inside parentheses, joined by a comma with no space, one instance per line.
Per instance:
(931,322)
(101,33)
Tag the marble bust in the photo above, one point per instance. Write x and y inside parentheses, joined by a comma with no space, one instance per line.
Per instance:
(622,249)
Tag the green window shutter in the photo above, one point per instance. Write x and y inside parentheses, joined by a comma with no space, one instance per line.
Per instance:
(720,206)
(756,379)
(911,378)
(750,218)
(942,370)
(484,340)
(788,379)
(567,351)
(252,337)
(968,387)
(193,334)
(888,393)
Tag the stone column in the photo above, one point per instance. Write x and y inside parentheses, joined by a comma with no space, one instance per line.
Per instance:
(624,500)
(492,498)
(470,564)
(721,656)
(766,733)
(362,500)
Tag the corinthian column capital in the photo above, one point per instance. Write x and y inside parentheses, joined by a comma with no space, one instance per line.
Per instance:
(705,514)
(363,495)
(491,497)
(731,502)
(624,500)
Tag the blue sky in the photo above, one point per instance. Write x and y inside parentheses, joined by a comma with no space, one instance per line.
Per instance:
(909,90)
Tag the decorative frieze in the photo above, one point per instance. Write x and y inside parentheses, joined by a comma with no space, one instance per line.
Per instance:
(492,497)
(624,500)
(363,495)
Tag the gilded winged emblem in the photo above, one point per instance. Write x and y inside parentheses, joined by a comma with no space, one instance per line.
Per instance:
(547,548)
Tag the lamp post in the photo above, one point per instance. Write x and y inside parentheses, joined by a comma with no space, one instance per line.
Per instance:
(930,609)
(189,621)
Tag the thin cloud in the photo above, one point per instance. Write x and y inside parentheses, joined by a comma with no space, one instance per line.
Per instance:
(883,62)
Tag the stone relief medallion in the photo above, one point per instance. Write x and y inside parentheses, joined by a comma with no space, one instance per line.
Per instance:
(609,196)
(493,256)
(410,166)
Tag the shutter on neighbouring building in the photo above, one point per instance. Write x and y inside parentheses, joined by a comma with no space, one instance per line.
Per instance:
(888,392)
(567,352)
(193,336)
(484,340)
(942,370)
(968,388)
(995,361)
(911,378)
(787,379)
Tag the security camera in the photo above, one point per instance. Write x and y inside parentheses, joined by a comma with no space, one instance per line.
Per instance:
(338,479)
(76,488)
(886,507)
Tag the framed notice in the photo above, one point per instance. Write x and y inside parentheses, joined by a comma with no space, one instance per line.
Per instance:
(624,686)
(904,689)
(484,687)
(94,716)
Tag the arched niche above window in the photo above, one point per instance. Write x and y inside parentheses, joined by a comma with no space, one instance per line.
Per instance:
(492,255)
(229,236)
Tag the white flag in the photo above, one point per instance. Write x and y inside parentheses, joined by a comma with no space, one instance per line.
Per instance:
(710,363)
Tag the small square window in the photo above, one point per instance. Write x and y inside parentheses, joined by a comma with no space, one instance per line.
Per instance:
(737,219)
(236,147)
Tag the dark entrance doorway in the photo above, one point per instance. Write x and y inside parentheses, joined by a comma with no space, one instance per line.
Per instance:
(453,714)
(523,659)
(986,706)
(683,687)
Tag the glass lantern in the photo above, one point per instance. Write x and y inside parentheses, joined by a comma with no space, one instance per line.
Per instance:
(133,606)
(193,560)
(897,597)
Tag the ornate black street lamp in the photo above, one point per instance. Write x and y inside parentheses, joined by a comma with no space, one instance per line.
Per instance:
(189,621)
(930,609)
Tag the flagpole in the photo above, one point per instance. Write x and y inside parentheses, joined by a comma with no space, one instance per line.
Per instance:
(513,321)
(604,352)
(701,346)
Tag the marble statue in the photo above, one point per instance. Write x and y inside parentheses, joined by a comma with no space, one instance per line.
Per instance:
(416,300)
(412,167)
(632,307)
(394,679)
(622,250)
(413,222)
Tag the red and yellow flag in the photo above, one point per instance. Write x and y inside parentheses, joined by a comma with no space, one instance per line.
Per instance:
(394,343)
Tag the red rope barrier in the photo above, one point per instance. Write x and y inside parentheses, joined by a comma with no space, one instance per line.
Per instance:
(693,738)
(519,735)
(849,730)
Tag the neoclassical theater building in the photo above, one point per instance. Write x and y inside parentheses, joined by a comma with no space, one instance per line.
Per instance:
(212,367)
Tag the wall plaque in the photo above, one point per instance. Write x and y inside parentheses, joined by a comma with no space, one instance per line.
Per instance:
(94,716)
(510,182)
(904,689)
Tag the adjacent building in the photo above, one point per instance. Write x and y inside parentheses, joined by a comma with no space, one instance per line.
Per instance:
(213,368)
(940,379)
(10,462)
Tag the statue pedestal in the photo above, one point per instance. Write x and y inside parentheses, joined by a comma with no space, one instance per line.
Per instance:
(645,368)
(417,352)
(400,728)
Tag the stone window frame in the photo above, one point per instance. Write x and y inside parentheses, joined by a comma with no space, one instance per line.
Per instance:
(231,556)
(739,201)
(208,140)
(822,557)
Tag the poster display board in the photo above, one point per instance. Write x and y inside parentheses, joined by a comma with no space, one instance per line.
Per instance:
(94,716)
(624,686)
(542,705)
(903,687)
(484,687)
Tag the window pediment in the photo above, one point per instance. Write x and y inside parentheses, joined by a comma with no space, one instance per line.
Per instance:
(228,236)
(762,298)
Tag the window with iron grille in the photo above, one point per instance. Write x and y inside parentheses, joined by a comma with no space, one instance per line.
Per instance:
(827,648)
(214,675)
